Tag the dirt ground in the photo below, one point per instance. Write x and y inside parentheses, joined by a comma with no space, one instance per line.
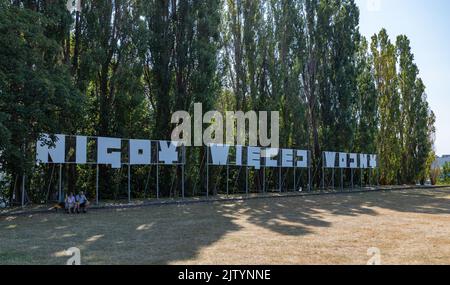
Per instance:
(408,227)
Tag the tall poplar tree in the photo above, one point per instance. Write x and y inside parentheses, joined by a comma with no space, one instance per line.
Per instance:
(388,140)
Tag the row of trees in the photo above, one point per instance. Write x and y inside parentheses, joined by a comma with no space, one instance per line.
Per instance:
(122,67)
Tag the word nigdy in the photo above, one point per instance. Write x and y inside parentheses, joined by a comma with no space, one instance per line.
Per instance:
(109,151)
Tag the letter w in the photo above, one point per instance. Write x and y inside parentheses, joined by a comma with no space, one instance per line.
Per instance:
(219,154)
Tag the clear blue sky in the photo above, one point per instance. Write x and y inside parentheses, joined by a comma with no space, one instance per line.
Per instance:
(427,25)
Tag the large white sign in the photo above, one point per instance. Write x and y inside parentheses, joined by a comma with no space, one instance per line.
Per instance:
(109,151)
(349,160)
(63,149)
(257,157)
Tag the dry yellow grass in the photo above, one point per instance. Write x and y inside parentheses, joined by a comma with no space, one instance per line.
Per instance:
(409,227)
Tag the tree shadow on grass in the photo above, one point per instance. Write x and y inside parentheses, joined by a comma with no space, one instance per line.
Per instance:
(157,236)
(169,234)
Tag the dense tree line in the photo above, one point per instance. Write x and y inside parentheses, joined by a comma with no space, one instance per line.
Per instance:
(122,67)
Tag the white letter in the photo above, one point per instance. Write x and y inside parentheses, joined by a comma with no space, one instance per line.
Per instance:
(254,157)
(353,157)
(140,152)
(76,258)
(56,153)
(109,151)
(287,158)
(81,153)
(219,154)
(269,154)
(274,140)
(373,161)
(342,160)
(183,128)
(330,159)
(363,161)
(303,162)
(253,127)
(198,124)
(238,155)
(168,153)
(215,119)
(229,128)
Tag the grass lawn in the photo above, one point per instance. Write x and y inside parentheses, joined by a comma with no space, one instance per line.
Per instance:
(409,227)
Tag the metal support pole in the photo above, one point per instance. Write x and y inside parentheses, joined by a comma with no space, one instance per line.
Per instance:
(342,179)
(246,180)
(323,171)
(157,171)
(228,174)
(207,172)
(370,177)
(295,181)
(309,172)
(378,177)
(352,177)
(362,174)
(129,183)
(146,183)
(60,184)
(332,178)
(23,180)
(309,179)
(279,180)
(23,190)
(96,186)
(182,171)
(264,180)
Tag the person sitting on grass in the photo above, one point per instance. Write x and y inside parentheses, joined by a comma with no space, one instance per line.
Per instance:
(70,204)
(82,202)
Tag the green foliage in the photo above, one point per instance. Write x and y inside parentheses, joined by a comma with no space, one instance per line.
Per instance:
(36,89)
(121,68)
(446,172)
(414,131)
(388,143)
(367,102)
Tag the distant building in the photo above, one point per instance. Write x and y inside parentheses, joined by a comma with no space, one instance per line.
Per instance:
(440,161)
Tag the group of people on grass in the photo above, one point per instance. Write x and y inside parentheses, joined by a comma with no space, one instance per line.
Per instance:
(76,203)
